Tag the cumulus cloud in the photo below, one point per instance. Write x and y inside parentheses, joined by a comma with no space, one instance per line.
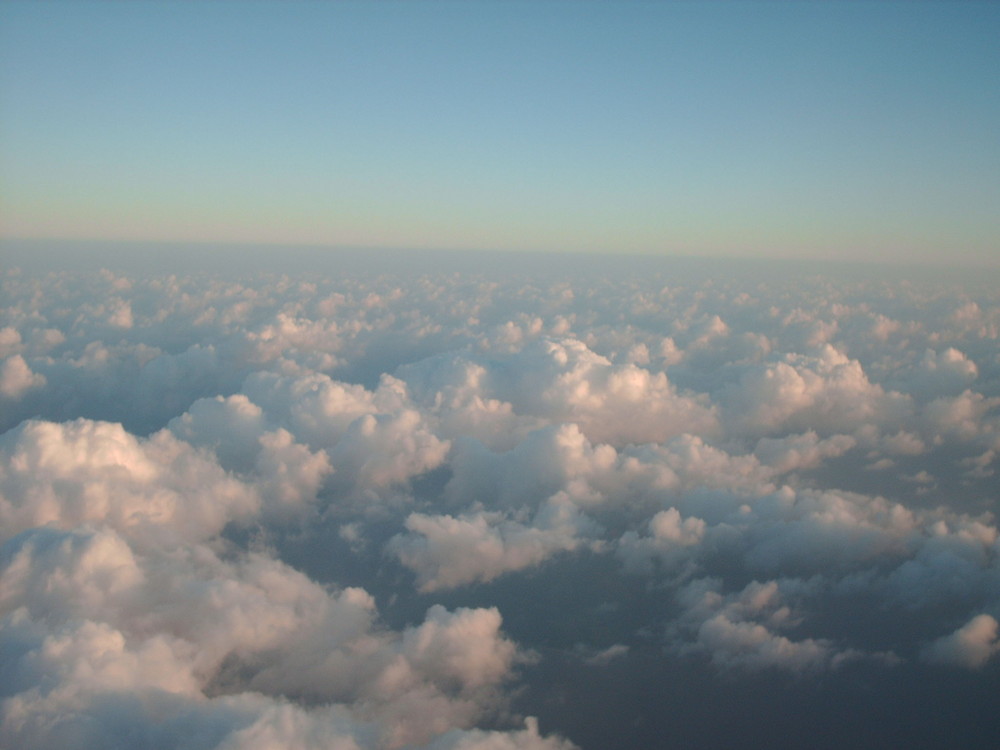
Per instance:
(827,393)
(963,417)
(157,490)
(743,630)
(804,451)
(563,380)
(971,646)
(940,373)
(252,510)
(445,551)
(373,439)
(100,621)
(666,541)
(16,377)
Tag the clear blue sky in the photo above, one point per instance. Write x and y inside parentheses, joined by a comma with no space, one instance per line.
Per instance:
(785,129)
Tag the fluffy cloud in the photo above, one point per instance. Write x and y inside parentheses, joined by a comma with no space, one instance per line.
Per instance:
(804,451)
(157,490)
(249,510)
(373,439)
(16,377)
(971,646)
(963,417)
(940,373)
(743,630)
(563,380)
(446,552)
(101,622)
(827,393)
(668,536)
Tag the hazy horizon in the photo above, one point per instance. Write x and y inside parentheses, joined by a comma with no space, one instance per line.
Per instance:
(130,255)
(812,130)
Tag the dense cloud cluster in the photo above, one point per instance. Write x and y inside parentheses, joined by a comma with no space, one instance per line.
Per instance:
(366,509)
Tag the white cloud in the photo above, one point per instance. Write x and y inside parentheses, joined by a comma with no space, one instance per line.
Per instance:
(446,552)
(379,450)
(10,341)
(294,511)
(941,373)
(95,618)
(741,631)
(158,490)
(16,377)
(971,646)
(563,380)
(605,656)
(668,537)
(829,393)
(963,417)
(797,452)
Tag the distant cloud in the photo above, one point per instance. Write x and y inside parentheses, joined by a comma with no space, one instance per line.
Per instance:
(971,646)
(16,377)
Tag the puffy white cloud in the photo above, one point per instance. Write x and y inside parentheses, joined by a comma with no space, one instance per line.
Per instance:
(953,561)
(158,490)
(751,645)
(546,461)
(446,552)
(287,474)
(16,377)
(903,444)
(291,474)
(461,393)
(379,450)
(316,408)
(565,381)
(71,574)
(667,538)
(10,341)
(941,373)
(372,439)
(283,725)
(271,340)
(221,476)
(805,451)
(84,612)
(971,646)
(741,630)
(461,649)
(441,674)
(828,393)
(963,417)
(814,531)
(231,427)
(89,622)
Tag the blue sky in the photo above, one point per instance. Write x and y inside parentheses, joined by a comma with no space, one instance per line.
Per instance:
(749,129)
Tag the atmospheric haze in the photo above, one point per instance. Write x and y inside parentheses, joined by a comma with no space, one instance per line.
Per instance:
(531,503)
(749,129)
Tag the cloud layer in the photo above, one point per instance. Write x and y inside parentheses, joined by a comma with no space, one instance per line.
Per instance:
(361,510)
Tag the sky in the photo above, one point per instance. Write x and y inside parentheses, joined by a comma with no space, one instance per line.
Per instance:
(789,130)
